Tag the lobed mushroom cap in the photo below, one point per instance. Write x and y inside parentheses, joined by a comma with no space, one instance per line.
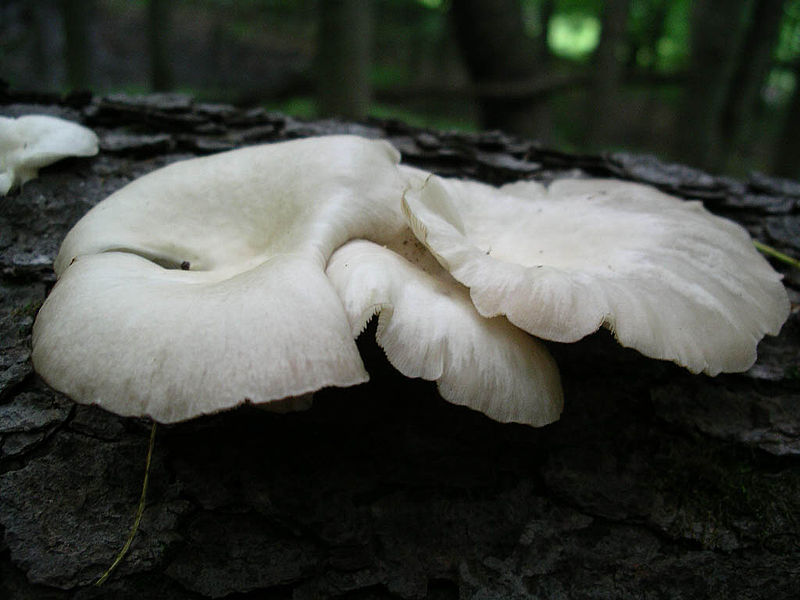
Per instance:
(31,142)
(235,209)
(254,317)
(664,275)
(140,340)
(429,328)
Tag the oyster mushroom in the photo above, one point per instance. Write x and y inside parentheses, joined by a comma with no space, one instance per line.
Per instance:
(667,277)
(429,328)
(201,286)
(31,142)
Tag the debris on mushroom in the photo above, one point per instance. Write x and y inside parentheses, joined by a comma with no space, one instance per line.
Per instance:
(429,328)
(665,276)
(254,318)
(34,141)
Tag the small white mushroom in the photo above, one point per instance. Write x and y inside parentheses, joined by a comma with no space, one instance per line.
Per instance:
(665,276)
(31,142)
(245,311)
(429,328)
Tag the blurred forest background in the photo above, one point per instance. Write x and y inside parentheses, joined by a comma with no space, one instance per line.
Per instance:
(711,83)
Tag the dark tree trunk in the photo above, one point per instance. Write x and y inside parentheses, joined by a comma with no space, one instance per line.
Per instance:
(542,49)
(755,60)
(604,97)
(77,19)
(646,40)
(39,56)
(158,34)
(344,57)
(787,149)
(492,40)
(717,28)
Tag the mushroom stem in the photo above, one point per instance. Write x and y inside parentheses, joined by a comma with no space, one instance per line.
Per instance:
(139,510)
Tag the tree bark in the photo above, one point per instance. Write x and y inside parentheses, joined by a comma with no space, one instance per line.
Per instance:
(344,58)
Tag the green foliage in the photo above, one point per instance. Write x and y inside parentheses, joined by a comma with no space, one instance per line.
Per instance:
(574,28)
(302,107)
(658,31)
(781,85)
(787,49)
(573,35)
(590,8)
(385,75)
(420,119)
(782,81)
(433,4)
(532,18)
(659,34)
(414,49)
(673,45)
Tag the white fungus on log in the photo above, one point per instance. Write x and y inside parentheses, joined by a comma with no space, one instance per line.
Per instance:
(246,276)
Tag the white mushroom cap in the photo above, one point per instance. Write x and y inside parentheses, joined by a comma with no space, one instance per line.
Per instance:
(139,340)
(429,328)
(667,277)
(255,319)
(235,209)
(29,143)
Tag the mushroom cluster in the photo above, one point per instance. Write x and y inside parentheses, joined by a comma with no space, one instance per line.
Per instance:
(34,141)
(246,277)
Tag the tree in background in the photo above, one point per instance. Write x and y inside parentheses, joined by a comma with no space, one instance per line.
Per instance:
(158,31)
(756,59)
(717,28)
(787,148)
(76,15)
(498,54)
(706,82)
(607,80)
(344,53)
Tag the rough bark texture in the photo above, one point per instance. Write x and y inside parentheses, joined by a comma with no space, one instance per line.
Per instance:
(654,484)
